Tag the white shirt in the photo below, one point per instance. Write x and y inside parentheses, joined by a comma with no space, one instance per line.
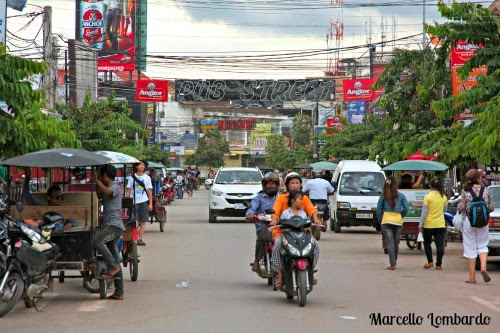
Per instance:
(318,188)
(141,194)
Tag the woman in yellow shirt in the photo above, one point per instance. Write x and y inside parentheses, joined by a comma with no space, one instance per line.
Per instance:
(432,222)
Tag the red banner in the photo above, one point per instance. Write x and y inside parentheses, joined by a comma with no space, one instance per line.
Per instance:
(462,52)
(358,90)
(334,123)
(151,91)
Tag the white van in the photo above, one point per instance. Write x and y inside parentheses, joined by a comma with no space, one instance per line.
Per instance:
(358,186)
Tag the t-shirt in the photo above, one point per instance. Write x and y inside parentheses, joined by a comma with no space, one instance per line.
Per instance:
(288,213)
(112,206)
(141,194)
(281,204)
(318,188)
(435,203)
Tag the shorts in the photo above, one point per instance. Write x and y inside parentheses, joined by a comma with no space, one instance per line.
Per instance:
(142,211)
(190,186)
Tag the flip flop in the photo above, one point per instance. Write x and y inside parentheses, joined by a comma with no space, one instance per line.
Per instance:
(467,281)
(315,281)
(278,284)
(486,277)
(255,269)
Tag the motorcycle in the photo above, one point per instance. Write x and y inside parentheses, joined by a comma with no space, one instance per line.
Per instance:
(167,194)
(180,188)
(265,270)
(320,211)
(26,269)
(297,259)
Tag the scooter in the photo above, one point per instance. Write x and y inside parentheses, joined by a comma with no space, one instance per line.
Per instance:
(297,259)
(265,271)
(320,211)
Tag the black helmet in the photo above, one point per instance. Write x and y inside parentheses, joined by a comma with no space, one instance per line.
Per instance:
(270,176)
(316,173)
(290,176)
(52,218)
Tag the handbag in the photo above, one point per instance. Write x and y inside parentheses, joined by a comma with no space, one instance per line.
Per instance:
(458,221)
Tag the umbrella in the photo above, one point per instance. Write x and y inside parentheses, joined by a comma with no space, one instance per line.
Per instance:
(324,165)
(153,165)
(265,167)
(416,165)
(175,169)
(58,158)
(119,158)
(302,166)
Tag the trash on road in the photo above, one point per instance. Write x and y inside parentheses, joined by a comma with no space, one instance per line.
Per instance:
(182,284)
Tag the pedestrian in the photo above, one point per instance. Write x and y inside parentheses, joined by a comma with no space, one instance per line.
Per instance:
(432,222)
(475,240)
(392,207)
(197,177)
(106,239)
(140,188)
(484,181)
(190,179)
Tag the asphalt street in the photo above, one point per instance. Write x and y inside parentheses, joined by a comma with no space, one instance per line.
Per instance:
(354,294)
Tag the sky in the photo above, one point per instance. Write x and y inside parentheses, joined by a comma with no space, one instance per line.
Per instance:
(239,39)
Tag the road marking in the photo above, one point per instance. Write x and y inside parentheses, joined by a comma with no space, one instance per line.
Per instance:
(491,305)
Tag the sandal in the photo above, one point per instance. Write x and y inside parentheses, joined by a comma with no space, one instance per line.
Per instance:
(278,284)
(428,265)
(469,281)
(439,268)
(391,268)
(315,281)
(255,268)
(486,277)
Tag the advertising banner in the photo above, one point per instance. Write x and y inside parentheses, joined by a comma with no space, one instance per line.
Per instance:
(3,21)
(258,138)
(358,90)
(108,26)
(254,93)
(324,114)
(356,111)
(16,4)
(334,123)
(462,52)
(151,91)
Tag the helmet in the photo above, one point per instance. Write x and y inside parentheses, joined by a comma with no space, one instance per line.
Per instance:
(52,218)
(290,176)
(270,176)
(316,173)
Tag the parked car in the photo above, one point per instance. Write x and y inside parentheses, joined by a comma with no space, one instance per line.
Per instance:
(494,222)
(232,191)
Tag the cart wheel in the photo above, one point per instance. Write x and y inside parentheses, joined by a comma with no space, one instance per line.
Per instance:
(134,261)
(411,241)
(103,288)
(91,284)
(61,276)
(162,226)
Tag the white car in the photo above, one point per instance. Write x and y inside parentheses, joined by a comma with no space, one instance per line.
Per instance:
(494,222)
(232,191)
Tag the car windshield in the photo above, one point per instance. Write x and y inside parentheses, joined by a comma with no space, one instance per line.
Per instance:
(238,177)
(364,183)
(495,195)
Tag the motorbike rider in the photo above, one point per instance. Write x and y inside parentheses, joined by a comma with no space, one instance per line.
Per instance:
(264,200)
(319,189)
(293,182)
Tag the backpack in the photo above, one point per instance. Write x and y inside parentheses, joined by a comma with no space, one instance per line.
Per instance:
(478,214)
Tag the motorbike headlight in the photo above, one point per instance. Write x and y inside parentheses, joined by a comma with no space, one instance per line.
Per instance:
(343,205)
(216,192)
(33,235)
(293,250)
(307,250)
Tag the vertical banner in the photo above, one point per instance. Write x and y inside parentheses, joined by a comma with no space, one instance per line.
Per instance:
(109,27)
(258,138)
(3,21)
(150,124)
(356,111)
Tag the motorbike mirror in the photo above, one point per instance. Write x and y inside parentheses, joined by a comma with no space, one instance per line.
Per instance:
(269,211)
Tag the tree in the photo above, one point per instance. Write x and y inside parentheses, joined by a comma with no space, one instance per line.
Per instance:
(24,127)
(301,130)
(105,125)
(277,155)
(155,154)
(479,141)
(211,150)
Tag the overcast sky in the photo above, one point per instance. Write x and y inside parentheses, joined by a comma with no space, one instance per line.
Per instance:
(232,28)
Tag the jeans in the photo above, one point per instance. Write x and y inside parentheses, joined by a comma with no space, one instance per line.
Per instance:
(112,24)
(392,233)
(106,242)
(263,236)
(438,234)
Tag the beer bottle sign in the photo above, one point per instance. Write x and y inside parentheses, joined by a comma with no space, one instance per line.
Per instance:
(92,23)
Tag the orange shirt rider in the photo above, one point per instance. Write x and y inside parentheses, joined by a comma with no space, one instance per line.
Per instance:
(292,183)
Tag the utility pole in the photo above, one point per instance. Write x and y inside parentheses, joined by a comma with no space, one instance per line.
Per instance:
(48,57)
(66,77)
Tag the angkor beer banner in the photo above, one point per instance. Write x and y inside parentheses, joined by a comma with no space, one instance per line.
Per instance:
(462,52)
(358,90)
(254,93)
(109,27)
(151,91)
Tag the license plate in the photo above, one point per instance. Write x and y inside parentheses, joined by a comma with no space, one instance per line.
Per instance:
(364,216)
(239,206)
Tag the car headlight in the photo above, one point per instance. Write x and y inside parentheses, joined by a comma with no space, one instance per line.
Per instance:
(343,205)
(293,250)
(216,192)
(307,250)
(33,235)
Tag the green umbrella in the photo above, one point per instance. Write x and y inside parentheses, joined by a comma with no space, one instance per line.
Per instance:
(324,165)
(175,169)
(153,165)
(416,165)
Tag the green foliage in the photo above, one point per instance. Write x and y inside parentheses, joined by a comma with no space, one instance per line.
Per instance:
(154,153)
(277,155)
(479,142)
(301,130)
(106,125)
(211,150)
(29,129)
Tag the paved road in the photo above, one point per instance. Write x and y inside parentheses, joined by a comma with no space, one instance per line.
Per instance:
(225,296)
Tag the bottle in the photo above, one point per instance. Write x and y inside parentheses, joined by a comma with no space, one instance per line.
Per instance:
(91,23)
